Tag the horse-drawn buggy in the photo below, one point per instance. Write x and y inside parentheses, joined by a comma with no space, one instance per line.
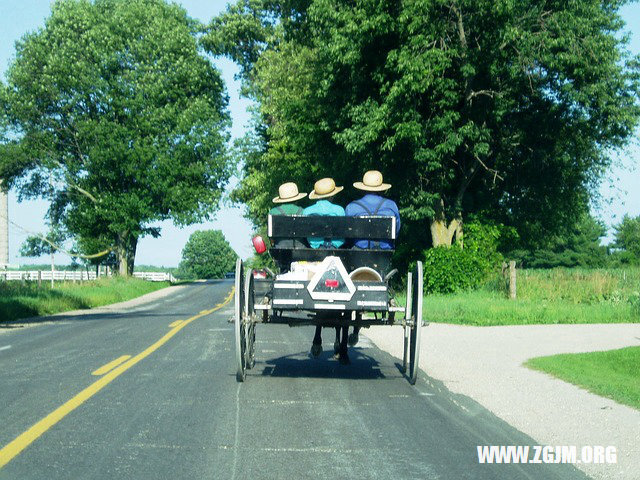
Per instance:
(327,287)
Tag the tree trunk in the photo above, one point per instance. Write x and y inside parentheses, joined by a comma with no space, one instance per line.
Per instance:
(121,254)
(131,253)
(443,232)
(126,253)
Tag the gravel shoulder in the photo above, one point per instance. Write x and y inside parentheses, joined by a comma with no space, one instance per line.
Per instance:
(486,364)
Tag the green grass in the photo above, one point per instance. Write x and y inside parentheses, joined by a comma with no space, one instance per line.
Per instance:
(486,308)
(613,374)
(19,300)
(544,297)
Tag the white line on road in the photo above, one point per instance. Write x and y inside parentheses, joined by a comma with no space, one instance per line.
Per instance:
(6,347)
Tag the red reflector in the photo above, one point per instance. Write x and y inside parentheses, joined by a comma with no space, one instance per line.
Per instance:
(331,283)
(259,245)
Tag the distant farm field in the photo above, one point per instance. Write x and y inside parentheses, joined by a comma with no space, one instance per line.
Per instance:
(19,300)
(544,297)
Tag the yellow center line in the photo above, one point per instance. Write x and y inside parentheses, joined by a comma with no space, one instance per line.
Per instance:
(176,323)
(12,449)
(114,363)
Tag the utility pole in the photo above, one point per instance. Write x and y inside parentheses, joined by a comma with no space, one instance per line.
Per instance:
(4,228)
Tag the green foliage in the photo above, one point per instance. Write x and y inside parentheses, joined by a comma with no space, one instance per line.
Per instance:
(451,269)
(36,246)
(448,270)
(627,239)
(613,374)
(577,246)
(548,296)
(485,239)
(207,254)
(112,113)
(505,108)
(579,285)
(21,301)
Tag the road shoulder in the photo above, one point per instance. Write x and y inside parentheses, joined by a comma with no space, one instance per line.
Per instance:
(486,364)
(114,307)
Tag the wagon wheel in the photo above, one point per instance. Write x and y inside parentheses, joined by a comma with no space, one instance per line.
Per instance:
(239,323)
(407,317)
(416,328)
(250,317)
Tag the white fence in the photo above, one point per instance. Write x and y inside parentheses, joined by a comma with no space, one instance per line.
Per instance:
(155,276)
(77,276)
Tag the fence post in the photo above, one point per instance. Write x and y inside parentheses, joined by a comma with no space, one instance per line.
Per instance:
(39,278)
(512,279)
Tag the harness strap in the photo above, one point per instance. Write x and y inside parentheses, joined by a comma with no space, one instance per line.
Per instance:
(376,244)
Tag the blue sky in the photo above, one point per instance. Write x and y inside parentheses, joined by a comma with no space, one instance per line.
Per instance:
(620,191)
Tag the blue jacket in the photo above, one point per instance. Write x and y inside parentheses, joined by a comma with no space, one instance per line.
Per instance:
(375,205)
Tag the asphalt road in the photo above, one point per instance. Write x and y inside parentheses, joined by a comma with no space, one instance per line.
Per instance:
(174,409)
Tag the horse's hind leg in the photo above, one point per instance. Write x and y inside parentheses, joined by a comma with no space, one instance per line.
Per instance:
(353,338)
(316,346)
(343,355)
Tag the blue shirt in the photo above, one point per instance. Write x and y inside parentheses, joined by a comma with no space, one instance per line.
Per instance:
(385,208)
(324,207)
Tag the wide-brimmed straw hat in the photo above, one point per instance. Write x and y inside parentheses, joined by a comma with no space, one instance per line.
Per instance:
(324,188)
(288,192)
(372,182)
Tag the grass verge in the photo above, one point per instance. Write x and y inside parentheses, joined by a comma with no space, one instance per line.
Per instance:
(544,297)
(486,308)
(19,300)
(613,374)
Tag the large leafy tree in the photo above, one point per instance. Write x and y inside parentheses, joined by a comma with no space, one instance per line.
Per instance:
(207,254)
(112,112)
(506,109)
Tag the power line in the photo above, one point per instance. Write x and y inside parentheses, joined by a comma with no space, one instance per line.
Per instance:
(4,219)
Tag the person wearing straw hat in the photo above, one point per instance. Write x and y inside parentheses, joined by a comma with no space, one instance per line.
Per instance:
(372,204)
(287,194)
(323,189)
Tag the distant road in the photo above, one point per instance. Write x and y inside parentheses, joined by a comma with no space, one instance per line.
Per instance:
(163,403)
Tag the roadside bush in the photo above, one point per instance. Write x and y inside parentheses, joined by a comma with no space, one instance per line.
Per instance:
(451,269)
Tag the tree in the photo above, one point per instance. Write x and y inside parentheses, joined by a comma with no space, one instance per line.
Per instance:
(503,109)
(116,117)
(627,239)
(207,254)
(578,245)
(39,245)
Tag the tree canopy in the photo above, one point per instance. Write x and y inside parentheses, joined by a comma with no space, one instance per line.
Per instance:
(113,113)
(627,239)
(501,109)
(577,246)
(207,254)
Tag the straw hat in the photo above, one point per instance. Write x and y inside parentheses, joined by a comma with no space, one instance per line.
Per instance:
(372,182)
(324,188)
(288,192)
